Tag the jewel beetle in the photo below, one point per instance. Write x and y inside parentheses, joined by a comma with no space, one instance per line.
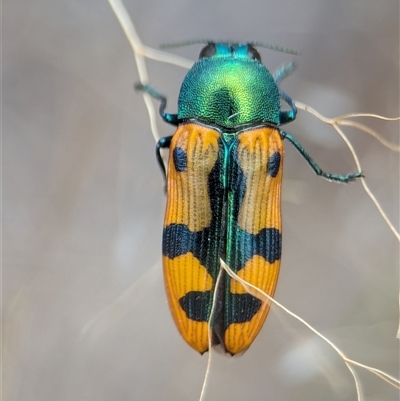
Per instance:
(223,185)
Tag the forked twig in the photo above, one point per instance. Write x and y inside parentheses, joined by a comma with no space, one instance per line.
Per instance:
(342,120)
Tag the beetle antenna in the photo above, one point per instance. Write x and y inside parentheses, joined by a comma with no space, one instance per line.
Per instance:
(207,41)
(275,48)
(185,43)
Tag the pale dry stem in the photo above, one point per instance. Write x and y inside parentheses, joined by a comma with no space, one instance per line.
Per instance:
(265,297)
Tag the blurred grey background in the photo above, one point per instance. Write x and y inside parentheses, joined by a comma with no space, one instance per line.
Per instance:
(84,311)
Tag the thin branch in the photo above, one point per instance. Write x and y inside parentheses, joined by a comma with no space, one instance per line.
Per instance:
(342,120)
(252,289)
(138,51)
(335,122)
(364,183)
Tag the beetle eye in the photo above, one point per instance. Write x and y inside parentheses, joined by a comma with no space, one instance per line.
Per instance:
(253,53)
(208,51)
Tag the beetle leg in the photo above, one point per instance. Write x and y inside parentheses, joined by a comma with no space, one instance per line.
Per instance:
(316,168)
(162,143)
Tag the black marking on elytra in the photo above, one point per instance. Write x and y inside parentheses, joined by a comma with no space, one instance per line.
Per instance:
(242,308)
(195,304)
(267,243)
(237,184)
(179,240)
(274,162)
(180,159)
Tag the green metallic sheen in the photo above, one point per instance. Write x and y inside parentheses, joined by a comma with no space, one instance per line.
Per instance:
(229,91)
